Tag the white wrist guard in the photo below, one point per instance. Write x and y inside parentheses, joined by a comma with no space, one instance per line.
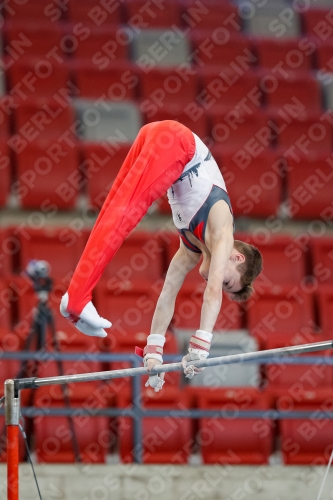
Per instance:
(200,344)
(154,347)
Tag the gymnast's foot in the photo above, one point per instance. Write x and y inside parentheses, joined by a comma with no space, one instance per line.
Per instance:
(88,322)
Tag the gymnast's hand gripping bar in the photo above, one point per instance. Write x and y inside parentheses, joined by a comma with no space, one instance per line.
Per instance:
(261,356)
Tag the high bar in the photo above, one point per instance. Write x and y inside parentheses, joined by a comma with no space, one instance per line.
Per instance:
(35,382)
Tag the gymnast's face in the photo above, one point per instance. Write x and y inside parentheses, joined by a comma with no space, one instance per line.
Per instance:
(232,277)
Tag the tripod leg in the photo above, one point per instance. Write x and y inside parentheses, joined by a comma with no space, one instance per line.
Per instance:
(64,387)
(27,345)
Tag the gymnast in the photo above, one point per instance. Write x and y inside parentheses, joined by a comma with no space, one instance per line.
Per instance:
(167,157)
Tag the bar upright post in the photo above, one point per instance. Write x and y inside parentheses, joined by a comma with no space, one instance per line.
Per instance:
(12,413)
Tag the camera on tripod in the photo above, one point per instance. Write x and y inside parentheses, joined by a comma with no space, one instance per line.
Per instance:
(39,273)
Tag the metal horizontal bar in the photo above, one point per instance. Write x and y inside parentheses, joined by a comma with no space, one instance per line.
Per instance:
(34,383)
(173,413)
(105,357)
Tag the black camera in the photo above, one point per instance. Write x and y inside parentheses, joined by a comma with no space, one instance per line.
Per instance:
(39,273)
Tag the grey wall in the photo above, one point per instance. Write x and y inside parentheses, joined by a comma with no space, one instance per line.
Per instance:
(133,482)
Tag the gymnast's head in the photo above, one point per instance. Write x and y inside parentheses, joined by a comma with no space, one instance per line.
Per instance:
(243,266)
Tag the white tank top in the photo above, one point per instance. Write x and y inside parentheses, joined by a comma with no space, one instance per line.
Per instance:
(190,191)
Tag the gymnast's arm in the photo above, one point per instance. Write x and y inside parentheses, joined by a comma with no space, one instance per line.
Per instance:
(219,240)
(182,263)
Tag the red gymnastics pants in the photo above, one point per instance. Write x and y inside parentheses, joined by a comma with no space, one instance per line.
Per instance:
(155,161)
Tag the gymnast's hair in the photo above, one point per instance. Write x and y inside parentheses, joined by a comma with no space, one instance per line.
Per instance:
(249,270)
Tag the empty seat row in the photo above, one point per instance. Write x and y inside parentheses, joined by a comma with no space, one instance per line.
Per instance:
(229,440)
(199,46)
(144,256)
(297,187)
(275,313)
(281,124)
(291,298)
(301,193)
(134,12)
(268,20)
(234,85)
(298,257)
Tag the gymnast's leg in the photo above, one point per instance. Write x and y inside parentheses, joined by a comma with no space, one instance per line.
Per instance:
(154,163)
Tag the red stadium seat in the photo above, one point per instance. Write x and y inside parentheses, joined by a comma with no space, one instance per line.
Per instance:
(239,129)
(39,77)
(103,45)
(291,54)
(5,171)
(77,391)
(162,87)
(230,440)
(42,117)
(5,125)
(62,248)
(198,125)
(254,184)
(137,266)
(282,263)
(172,242)
(48,175)
(284,379)
(94,434)
(165,440)
(211,15)
(193,279)
(322,259)
(94,438)
(299,89)
(6,295)
(309,187)
(325,302)
(34,10)
(279,312)
(9,251)
(309,133)
(318,22)
(9,340)
(155,15)
(163,205)
(71,339)
(305,441)
(83,394)
(324,60)
(127,342)
(129,310)
(226,87)
(80,394)
(220,49)
(95,13)
(188,311)
(102,165)
(36,38)
(9,368)
(116,82)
